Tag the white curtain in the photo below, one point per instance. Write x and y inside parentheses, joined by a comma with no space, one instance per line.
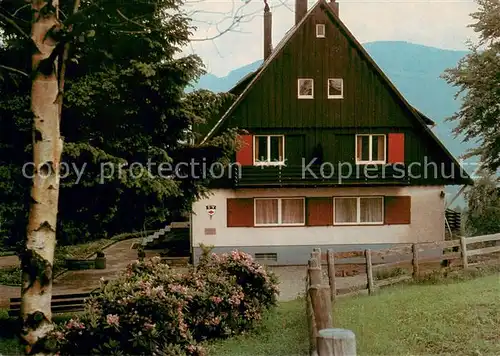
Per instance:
(292,211)
(370,209)
(345,210)
(266,211)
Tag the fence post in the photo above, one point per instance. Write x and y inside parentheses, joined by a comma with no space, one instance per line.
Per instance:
(322,306)
(316,253)
(330,259)
(336,342)
(315,278)
(314,271)
(310,319)
(369,271)
(463,248)
(414,261)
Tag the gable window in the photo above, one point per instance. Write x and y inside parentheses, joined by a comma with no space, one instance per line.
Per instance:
(305,88)
(358,210)
(269,150)
(370,149)
(335,88)
(320,31)
(279,211)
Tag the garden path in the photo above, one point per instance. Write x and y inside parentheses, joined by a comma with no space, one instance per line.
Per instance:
(118,256)
(9,261)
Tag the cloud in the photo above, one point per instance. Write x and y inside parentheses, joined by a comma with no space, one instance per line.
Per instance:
(435,23)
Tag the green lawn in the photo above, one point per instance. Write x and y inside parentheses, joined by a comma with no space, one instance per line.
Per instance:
(459,318)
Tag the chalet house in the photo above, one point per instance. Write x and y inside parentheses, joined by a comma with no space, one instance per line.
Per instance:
(333,155)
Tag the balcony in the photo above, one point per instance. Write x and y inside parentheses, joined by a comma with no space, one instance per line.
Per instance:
(326,175)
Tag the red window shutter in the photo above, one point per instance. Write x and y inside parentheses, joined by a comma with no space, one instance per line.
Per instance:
(244,156)
(240,212)
(319,211)
(396,148)
(397,210)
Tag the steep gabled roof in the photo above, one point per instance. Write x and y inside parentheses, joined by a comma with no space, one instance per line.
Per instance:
(248,81)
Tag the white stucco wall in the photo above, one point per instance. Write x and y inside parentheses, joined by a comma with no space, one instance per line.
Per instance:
(427,220)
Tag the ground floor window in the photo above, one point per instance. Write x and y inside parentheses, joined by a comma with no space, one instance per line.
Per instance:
(358,210)
(279,211)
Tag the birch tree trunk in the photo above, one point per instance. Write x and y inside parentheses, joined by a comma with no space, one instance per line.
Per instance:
(37,258)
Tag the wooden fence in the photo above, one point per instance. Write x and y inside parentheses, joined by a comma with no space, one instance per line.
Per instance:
(327,341)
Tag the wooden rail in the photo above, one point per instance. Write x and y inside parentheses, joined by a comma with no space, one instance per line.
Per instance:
(327,341)
(404,255)
(467,252)
(297,175)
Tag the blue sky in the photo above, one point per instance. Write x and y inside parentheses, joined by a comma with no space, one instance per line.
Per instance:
(435,23)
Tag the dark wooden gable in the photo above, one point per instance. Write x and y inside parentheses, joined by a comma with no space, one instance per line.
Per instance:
(272,100)
(371,104)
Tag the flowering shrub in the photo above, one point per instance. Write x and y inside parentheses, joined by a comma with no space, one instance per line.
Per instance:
(151,310)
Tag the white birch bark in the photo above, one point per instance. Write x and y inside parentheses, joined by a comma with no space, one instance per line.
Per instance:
(38,257)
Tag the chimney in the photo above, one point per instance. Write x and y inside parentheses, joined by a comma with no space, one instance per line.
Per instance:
(268,24)
(300,10)
(335,6)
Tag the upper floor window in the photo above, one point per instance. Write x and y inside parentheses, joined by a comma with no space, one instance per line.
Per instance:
(370,149)
(320,30)
(269,150)
(305,88)
(279,211)
(335,88)
(358,210)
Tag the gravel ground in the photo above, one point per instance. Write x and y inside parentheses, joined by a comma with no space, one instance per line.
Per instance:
(292,281)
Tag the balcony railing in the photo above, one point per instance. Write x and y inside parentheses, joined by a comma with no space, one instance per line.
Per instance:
(252,176)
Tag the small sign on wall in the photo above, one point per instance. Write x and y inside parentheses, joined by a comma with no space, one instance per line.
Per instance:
(211,210)
(210,231)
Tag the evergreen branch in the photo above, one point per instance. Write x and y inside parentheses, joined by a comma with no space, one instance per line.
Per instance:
(64,63)
(14,70)
(22,7)
(130,20)
(15,25)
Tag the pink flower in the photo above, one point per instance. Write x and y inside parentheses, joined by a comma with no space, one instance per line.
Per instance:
(75,324)
(216,300)
(177,288)
(113,319)
(59,335)
(235,300)
(191,348)
(149,326)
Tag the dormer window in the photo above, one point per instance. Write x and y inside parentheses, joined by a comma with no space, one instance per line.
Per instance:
(320,30)
(305,88)
(269,150)
(335,88)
